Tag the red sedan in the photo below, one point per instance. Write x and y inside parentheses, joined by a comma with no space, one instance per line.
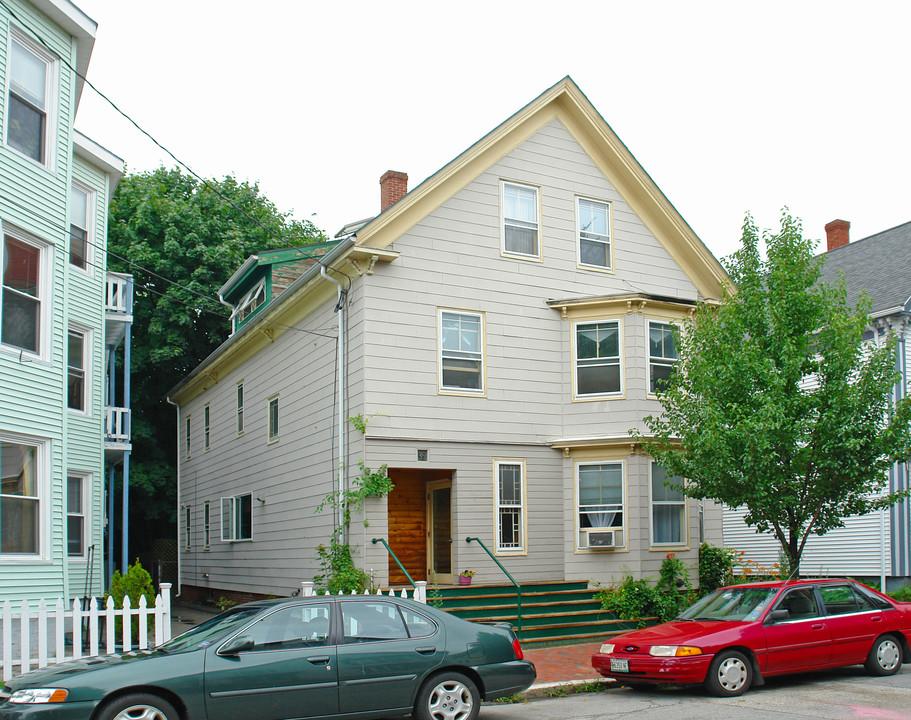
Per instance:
(735,637)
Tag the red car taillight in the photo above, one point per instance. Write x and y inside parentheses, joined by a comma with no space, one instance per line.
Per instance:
(517,649)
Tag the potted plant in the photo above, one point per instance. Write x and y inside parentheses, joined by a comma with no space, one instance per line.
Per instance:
(465,577)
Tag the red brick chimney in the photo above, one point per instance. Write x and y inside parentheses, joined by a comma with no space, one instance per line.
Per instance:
(393,186)
(837,234)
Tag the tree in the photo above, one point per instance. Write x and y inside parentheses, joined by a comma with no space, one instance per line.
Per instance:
(777,404)
(181,239)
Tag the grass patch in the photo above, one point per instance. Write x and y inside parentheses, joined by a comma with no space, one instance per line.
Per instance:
(515,698)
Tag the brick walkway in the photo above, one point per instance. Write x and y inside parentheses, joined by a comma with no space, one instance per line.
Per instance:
(564,663)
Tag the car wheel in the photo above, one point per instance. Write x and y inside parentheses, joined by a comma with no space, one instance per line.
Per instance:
(730,674)
(448,696)
(885,656)
(139,706)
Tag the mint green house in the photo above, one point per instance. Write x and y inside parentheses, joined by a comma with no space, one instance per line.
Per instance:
(61,314)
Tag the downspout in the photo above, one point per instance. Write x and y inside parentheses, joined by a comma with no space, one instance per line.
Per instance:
(179,554)
(341,478)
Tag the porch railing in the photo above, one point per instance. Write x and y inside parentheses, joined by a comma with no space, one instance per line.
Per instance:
(511,579)
(117,424)
(419,594)
(117,294)
(389,550)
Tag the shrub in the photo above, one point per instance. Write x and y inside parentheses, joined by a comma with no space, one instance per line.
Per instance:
(716,567)
(902,594)
(639,600)
(136,583)
(339,575)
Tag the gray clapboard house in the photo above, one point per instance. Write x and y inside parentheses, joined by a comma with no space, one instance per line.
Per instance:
(876,545)
(503,324)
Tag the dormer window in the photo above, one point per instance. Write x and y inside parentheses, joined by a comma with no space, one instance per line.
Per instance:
(248,303)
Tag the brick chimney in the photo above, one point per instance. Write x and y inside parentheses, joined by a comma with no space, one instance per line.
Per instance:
(837,234)
(393,186)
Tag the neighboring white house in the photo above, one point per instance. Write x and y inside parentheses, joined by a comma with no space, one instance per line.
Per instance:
(61,314)
(877,545)
(503,325)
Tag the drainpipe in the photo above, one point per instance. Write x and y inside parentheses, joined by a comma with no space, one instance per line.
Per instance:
(340,390)
(179,462)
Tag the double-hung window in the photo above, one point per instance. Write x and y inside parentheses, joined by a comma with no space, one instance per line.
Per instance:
(597,349)
(23,294)
(594,226)
(510,501)
(240,408)
(662,354)
(31,76)
(187,438)
(75,516)
(76,353)
(80,241)
(668,509)
(273,419)
(601,496)
(186,527)
(520,220)
(207,525)
(20,498)
(237,518)
(461,352)
(205,428)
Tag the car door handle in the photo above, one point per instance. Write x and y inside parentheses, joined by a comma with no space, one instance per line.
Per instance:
(877,619)
(429,650)
(321,660)
(818,626)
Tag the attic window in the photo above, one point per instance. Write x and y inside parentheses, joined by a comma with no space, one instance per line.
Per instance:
(248,303)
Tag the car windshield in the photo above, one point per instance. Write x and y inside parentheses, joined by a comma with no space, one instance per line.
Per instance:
(210,631)
(736,603)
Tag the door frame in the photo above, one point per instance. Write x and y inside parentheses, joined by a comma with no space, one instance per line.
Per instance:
(440,578)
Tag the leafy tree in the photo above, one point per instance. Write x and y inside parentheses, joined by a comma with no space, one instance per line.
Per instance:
(741,421)
(181,239)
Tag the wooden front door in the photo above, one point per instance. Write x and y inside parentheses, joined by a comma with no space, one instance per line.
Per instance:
(408,528)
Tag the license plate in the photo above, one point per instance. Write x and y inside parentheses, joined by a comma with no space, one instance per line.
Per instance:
(619,665)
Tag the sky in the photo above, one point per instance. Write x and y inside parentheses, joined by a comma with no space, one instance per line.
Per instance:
(731,107)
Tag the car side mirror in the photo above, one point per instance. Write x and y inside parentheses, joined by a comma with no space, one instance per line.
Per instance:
(778,615)
(237,645)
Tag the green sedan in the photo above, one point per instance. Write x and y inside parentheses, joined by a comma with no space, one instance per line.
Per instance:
(318,657)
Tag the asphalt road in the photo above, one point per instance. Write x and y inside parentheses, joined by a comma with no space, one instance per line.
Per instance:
(842,694)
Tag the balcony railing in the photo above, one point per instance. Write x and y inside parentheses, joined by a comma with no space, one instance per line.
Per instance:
(116,425)
(118,294)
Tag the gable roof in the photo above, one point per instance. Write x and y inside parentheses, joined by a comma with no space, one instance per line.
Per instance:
(568,104)
(879,264)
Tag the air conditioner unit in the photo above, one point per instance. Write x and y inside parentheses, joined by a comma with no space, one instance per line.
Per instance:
(601,539)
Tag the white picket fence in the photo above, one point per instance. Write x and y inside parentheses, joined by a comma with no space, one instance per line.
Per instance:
(77,632)
(418,594)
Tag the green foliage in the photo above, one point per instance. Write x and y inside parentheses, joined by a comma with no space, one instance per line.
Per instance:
(340,575)
(557,691)
(902,594)
(172,226)
(741,423)
(639,600)
(135,584)
(716,567)
(511,699)
(224,603)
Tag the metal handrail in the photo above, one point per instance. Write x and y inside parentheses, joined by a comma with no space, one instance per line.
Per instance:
(389,549)
(511,579)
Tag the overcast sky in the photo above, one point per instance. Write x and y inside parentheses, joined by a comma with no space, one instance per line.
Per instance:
(730,106)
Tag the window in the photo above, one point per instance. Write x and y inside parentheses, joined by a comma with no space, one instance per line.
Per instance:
(240,408)
(273,418)
(188,437)
(207,524)
(19,498)
(249,302)
(668,509)
(75,516)
(510,495)
(21,303)
(600,495)
(598,358)
(79,228)
(291,628)
(520,220)
(662,354)
(186,527)
(31,74)
(370,621)
(461,352)
(205,428)
(800,603)
(842,600)
(237,518)
(593,220)
(75,367)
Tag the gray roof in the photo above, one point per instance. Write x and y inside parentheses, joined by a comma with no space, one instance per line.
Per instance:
(879,264)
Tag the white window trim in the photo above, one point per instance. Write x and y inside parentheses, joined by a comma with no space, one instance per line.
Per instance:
(575,360)
(46,260)
(51,80)
(577,511)
(610,235)
(206,428)
(523,515)
(482,329)
(87,354)
(207,525)
(649,356)
(240,401)
(188,437)
(232,499)
(270,438)
(42,462)
(187,519)
(684,516)
(534,257)
(86,479)
(90,222)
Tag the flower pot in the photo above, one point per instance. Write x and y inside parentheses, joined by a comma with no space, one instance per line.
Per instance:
(464,579)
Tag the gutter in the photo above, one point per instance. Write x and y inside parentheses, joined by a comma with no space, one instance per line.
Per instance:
(179,464)
(341,477)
